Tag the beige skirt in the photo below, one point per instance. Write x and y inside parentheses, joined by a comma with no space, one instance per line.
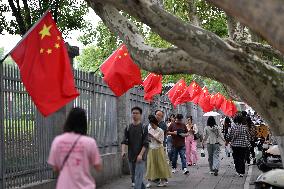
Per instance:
(157,166)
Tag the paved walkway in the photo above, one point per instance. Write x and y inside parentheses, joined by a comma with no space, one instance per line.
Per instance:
(199,178)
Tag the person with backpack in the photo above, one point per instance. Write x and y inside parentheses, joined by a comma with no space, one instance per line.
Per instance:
(213,137)
(190,142)
(72,153)
(136,138)
(179,131)
(157,167)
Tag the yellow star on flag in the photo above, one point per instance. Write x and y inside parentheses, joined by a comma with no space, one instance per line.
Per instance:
(57,45)
(45,31)
(41,51)
(58,38)
(49,51)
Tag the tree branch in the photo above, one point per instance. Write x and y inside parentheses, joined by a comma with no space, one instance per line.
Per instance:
(18,17)
(172,29)
(192,13)
(265,49)
(262,16)
(28,18)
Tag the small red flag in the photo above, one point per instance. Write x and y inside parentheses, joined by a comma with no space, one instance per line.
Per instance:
(120,72)
(45,67)
(217,100)
(205,104)
(152,86)
(229,108)
(190,93)
(177,90)
(202,94)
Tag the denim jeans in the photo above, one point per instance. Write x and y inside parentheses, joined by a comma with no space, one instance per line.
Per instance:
(137,170)
(181,152)
(213,156)
(170,147)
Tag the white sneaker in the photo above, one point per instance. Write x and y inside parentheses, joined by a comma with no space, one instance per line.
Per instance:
(162,184)
(241,175)
(185,171)
(148,185)
(174,170)
(211,172)
(133,184)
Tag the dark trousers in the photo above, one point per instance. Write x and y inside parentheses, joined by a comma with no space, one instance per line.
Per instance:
(239,155)
(251,152)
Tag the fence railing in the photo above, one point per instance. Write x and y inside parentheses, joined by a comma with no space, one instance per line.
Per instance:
(26,136)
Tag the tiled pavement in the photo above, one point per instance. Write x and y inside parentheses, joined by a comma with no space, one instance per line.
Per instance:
(199,178)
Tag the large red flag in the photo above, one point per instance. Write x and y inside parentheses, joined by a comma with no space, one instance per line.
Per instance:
(190,93)
(45,67)
(202,94)
(152,86)
(205,104)
(217,100)
(120,72)
(177,90)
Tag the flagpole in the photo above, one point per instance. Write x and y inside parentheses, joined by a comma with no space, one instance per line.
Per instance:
(96,70)
(4,58)
(26,34)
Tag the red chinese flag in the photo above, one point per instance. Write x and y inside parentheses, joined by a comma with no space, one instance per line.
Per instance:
(120,72)
(202,94)
(152,86)
(177,90)
(217,100)
(45,67)
(205,104)
(190,93)
(229,108)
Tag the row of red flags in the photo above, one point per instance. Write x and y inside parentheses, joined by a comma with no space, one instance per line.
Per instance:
(181,93)
(47,74)
(121,74)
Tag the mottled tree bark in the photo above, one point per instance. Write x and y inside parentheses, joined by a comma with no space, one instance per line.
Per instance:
(262,16)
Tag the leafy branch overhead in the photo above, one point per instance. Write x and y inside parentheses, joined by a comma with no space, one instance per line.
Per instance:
(68,14)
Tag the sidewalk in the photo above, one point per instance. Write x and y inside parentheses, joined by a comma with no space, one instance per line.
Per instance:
(198,178)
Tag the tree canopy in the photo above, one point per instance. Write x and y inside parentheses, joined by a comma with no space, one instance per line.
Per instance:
(67,14)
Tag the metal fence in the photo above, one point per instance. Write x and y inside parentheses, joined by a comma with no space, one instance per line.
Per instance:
(26,136)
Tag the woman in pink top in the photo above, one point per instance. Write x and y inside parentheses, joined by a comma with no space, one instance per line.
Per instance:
(72,154)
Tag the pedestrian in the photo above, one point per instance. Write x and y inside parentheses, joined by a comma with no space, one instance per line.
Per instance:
(252,132)
(240,142)
(170,139)
(225,131)
(190,143)
(157,167)
(136,138)
(213,137)
(73,153)
(159,114)
(178,131)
